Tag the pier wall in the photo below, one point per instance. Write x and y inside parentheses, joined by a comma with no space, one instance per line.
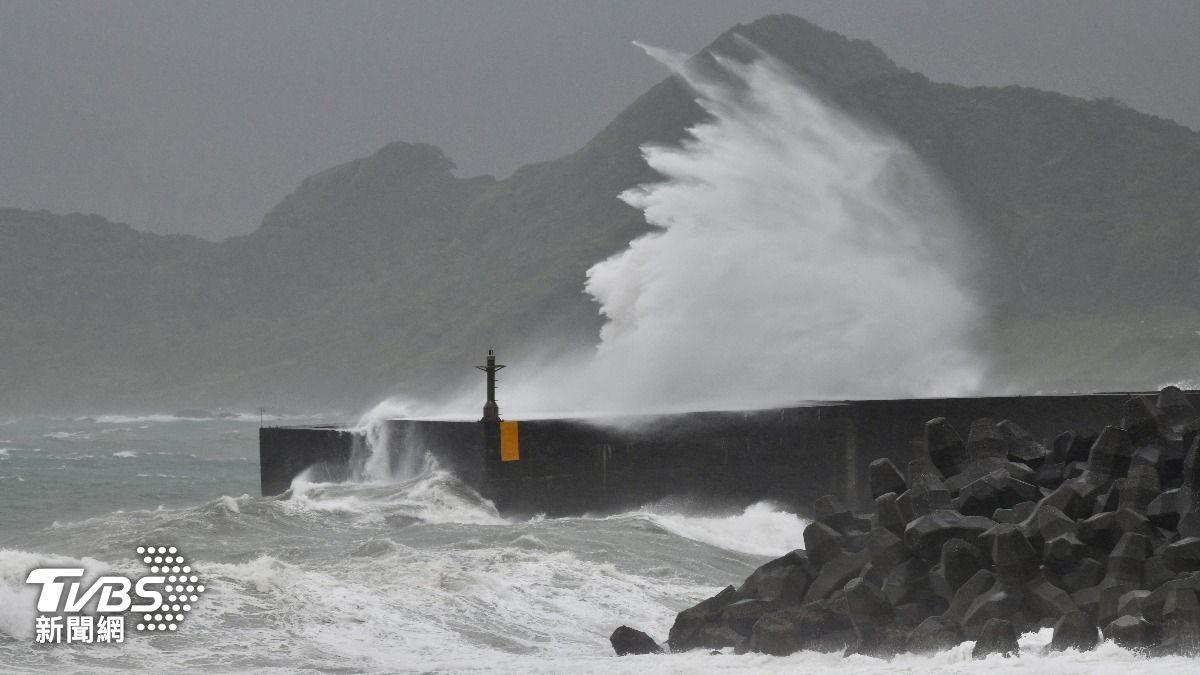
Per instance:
(787,455)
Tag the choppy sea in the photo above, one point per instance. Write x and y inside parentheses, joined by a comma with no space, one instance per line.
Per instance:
(414,575)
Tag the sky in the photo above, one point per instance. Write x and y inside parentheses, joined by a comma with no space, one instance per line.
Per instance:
(198,117)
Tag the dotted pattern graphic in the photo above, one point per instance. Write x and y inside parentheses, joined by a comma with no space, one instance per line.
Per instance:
(183,588)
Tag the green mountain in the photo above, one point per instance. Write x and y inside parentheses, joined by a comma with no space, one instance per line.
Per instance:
(390,271)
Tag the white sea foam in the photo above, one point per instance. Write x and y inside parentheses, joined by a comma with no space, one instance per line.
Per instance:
(797,254)
(761,529)
(125,453)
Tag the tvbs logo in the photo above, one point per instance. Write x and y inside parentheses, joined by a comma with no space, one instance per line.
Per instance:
(159,600)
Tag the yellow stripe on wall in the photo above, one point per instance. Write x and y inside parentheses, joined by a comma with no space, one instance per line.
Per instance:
(510,448)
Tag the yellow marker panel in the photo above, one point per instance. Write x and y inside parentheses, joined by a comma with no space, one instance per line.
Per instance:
(510,449)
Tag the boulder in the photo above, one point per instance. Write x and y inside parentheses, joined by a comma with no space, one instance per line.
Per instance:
(932,635)
(997,637)
(814,626)
(783,579)
(1132,632)
(626,640)
(883,477)
(685,631)
(1075,631)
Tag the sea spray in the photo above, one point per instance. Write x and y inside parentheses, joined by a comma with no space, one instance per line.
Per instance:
(796,254)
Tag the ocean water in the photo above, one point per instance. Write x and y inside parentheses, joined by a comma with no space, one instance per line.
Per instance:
(416,575)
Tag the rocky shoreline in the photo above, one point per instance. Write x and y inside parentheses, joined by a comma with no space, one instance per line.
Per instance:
(1095,536)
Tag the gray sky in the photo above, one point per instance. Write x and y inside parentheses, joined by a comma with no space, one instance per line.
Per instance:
(199,116)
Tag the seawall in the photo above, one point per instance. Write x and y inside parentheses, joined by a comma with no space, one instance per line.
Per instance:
(789,455)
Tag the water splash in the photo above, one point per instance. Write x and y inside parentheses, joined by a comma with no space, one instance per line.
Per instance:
(797,254)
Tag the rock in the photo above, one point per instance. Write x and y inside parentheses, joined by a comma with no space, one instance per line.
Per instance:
(1124,574)
(887,513)
(871,616)
(1139,488)
(685,631)
(1156,573)
(1021,445)
(822,543)
(626,640)
(997,637)
(1181,622)
(1109,457)
(906,582)
(883,477)
(1131,603)
(926,492)
(1165,509)
(1087,573)
(741,616)
(977,585)
(1075,631)
(944,446)
(984,441)
(835,573)
(959,562)
(1021,594)
(926,535)
(1175,405)
(1183,555)
(831,511)
(719,636)
(786,578)
(1144,421)
(814,626)
(933,635)
(1132,632)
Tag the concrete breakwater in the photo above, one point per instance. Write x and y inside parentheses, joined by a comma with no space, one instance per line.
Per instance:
(788,455)
(1094,534)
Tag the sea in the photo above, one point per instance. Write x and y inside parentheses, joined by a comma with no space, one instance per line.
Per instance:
(412,575)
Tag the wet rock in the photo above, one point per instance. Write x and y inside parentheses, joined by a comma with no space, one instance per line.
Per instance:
(883,477)
(835,573)
(926,492)
(933,635)
(1021,446)
(1075,630)
(926,535)
(1087,573)
(1139,488)
(1156,573)
(977,585)
(1132,632)
(906,582)
(871,616)
(997,637)
(959,562)
(1183,555)
(685,631)
(1144,421)
(741,616)
(1109,457)
(1123,574)
(783,579)
(831,511)
(887,513)
(626,640)
(1181,622)
(1175,405)
(814,626)
(1164,510)
(944,446)
(1131,603)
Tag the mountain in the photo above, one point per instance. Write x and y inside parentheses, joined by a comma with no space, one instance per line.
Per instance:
(390,270)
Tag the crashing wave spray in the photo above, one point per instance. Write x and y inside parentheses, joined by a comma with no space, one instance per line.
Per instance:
(797,254)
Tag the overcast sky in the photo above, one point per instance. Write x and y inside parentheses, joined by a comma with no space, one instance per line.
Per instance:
(199,116)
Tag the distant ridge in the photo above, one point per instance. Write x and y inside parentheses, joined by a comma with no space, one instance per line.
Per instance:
(389,269)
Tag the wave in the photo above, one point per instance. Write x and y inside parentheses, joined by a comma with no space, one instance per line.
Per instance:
(761,529)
